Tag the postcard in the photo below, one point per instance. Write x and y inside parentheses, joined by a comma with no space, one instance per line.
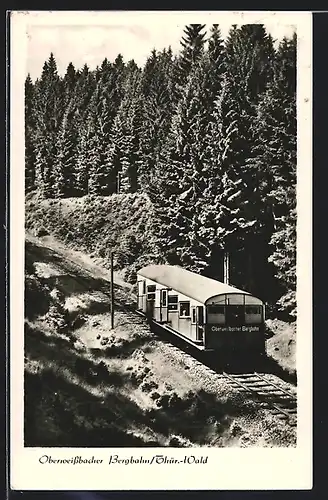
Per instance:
(160,250)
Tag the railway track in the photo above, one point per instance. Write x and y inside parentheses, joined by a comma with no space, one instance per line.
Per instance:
(273,397)
(280,402)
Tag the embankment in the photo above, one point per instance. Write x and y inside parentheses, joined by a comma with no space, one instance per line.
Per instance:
(99,225)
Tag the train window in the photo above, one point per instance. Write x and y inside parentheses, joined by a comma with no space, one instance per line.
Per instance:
(200,310)
(216,314)
(144,287)
(253,309)
(184,310)
(150,296)
(235,315)
(172,302)
(151,288)
(164,295)
(216,309)
(193,313)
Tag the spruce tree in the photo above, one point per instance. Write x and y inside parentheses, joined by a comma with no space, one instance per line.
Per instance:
(65,182)
(123,154)
(82,167)
(183,173)
(30,130)
(248,73)
(192,42)
(276,159)
(156,110)
(48,113)
(216,55)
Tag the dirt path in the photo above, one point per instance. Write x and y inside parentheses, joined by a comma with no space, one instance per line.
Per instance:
(145,391)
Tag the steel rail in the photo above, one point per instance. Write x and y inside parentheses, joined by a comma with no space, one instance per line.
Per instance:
(246,387)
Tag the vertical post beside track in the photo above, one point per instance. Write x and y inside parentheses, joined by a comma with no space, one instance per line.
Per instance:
(112,290)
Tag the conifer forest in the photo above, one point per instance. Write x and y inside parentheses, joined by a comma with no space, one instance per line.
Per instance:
(208,135)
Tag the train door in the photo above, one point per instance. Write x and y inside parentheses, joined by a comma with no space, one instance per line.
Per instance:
(200,322)
(151,289)
(142,302)
(164,315)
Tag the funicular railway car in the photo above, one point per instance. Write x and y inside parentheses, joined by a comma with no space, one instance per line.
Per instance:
(211,315)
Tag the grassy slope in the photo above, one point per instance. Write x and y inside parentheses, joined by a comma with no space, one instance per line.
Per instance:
(97,225)
(71,397)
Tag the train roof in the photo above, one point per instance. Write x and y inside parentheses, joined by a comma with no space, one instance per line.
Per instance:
(191,284)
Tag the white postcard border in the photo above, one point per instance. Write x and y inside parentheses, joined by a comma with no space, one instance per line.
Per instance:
(229,468)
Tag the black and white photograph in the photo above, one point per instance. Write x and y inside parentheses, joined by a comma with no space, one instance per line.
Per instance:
(165,215)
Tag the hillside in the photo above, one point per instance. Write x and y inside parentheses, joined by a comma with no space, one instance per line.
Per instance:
(88,385)
(125,224)
(99,224)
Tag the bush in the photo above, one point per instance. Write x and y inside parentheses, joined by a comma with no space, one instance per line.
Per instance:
(41,231)
(148,386)
(155,395)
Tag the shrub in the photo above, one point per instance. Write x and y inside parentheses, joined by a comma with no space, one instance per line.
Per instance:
(41,231)
(155,395)
(148,386)
(178,442)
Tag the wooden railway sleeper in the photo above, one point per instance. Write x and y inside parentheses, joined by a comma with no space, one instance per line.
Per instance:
(260,397)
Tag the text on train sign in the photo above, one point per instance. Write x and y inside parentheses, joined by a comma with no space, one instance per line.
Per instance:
(244,328)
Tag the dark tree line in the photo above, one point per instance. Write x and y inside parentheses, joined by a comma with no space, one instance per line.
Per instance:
(209,135)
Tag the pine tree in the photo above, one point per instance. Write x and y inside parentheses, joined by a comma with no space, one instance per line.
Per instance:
(65,174)
(30,157)
(192,50)
(98,126)
(276,158)
(193,46)
(116,84)
(216,54)
(183,173)
(123,154)
(240,224)
(93,160)
(156,109)
(68,86)
(85,87)
(48,113)
(82,166)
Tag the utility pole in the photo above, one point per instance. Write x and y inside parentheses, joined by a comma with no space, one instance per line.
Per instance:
(226,270)
(112,289)
(118,182)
